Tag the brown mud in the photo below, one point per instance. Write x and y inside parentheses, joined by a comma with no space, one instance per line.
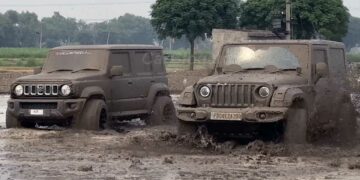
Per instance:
(141,152)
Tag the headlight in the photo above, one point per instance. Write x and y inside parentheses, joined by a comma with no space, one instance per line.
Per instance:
(65,90)
(264,92)
(205,91)
(19,90)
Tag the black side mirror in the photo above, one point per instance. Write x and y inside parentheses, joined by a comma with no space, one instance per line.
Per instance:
(116,71)
(37,70)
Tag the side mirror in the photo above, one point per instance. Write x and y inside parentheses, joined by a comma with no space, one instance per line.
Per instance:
(322,69)
(116,71)
(210,69)
(37,70)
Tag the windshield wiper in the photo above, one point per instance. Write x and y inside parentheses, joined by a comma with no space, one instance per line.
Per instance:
(85,69)
(283,70)
(58,70)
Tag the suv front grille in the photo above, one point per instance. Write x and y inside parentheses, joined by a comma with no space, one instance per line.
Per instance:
(41,90)
(232,95)
(29,105)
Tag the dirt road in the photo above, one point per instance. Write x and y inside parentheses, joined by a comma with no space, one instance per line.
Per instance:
(138,152)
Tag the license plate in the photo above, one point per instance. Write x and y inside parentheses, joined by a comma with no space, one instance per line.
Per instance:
(226,116)
(37,112)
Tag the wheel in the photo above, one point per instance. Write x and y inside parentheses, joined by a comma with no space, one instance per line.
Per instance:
(296,124)
(186,128)
(163,112)
(12,122)
(94,115)
(347,122)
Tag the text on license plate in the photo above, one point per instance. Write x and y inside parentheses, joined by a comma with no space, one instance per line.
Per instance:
(226,116)
(37,112)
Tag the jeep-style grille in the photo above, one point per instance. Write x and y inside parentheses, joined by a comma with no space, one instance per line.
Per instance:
(41,90)
(232,95)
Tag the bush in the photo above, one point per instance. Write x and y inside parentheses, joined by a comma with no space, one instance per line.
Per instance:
(353,57)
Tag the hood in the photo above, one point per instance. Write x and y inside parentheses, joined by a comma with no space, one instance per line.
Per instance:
(59,77)
(262,78)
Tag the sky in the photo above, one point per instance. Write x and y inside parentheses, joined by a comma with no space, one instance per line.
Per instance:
(102,10)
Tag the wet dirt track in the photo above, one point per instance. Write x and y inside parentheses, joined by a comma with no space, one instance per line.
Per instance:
(140,152)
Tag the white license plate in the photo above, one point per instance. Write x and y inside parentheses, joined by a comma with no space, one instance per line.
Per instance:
(226,116)
(37,112)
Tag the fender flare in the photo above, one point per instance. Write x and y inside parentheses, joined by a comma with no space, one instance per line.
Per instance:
(154,91)
(92,91)
(285,96)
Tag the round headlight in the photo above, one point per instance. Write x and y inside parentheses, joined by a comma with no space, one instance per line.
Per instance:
(264,92)
(19,90)
(205,91)
(65,90)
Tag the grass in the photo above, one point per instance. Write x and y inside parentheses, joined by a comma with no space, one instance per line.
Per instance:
(353,57)
(23,53)
(185,54)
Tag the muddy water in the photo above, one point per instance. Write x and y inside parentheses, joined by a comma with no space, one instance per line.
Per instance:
(139,152)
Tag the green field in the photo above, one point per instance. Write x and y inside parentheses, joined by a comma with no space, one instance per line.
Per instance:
(34,57)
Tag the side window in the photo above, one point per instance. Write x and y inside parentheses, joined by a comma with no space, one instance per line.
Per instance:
(337,62)
(158,63)
(121,59)
(141,63)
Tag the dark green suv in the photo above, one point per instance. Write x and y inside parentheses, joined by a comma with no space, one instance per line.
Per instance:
(86,86)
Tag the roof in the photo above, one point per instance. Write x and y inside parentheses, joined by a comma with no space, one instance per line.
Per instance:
(110,47)
(312,42)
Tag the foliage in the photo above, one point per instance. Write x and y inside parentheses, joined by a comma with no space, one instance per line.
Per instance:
(353,37)
(328,18)
(193,18)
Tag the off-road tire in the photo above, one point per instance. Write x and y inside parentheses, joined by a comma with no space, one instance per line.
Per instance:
(12,122)
(296,124)
(162,113)
(346,127)
(186,128)
(94,115)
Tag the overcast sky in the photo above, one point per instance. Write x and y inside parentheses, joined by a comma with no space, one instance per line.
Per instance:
(100,10)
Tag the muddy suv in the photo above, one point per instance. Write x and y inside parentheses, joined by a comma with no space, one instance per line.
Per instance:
(86,86)
(298,88)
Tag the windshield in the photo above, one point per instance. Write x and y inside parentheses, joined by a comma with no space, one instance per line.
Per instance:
(75,60)
(253,58)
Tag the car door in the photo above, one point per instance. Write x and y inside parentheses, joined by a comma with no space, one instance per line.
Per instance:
(124,94)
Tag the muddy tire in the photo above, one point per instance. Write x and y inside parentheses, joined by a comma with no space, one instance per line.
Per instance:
(296,124)
(12,122)
(94,115)
(186,128)
(162,113)
(347,123)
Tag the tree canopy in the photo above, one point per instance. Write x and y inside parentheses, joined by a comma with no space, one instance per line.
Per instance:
(327,18)
(193,18)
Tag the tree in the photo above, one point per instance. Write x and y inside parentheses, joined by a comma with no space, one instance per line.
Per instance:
(353,37)
(193,18)
(328,18)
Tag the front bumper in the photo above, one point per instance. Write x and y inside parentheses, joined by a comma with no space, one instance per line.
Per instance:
(63,109)
(254,115)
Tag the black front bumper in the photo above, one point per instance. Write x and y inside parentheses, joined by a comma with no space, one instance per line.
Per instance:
(59,109)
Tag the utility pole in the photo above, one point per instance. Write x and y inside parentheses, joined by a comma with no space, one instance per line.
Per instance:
(288,19)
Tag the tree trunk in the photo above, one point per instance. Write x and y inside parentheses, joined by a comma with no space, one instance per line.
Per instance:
(192,57)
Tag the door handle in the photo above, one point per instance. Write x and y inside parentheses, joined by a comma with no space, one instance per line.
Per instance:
(130,82)
(152,81)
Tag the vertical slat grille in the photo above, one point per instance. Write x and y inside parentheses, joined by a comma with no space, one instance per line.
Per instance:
(41,90)
(232,95)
